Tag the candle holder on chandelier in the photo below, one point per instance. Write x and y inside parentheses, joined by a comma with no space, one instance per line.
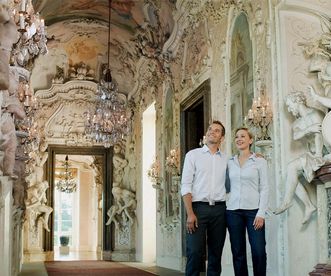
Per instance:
(259,117)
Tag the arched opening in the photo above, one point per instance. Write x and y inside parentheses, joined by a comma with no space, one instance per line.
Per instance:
(241,72)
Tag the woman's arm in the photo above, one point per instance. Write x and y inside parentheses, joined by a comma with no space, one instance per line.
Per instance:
(264,188)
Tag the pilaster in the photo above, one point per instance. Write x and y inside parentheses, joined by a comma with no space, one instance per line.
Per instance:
(6,186)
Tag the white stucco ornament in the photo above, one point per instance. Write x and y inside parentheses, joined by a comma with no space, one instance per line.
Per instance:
(326,128)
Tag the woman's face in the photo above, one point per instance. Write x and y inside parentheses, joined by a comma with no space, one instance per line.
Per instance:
(242,140)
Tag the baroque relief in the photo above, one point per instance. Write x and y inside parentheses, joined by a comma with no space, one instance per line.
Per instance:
(62,110)
(311,108)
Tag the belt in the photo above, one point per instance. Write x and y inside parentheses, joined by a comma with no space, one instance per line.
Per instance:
(207,203)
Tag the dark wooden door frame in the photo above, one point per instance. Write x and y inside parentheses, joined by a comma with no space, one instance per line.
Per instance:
(200,95)
(106,155)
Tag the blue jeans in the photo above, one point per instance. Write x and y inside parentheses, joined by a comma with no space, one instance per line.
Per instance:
(211,222)
(238,221)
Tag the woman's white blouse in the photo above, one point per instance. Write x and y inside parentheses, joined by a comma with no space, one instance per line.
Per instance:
(249,185)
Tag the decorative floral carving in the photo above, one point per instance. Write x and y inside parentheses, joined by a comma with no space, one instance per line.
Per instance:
(81,71)
(153,173)
(172,161)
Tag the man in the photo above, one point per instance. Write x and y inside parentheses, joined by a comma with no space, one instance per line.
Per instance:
(203,191)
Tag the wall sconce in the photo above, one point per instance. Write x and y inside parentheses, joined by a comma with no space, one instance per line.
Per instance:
(259,116)
(32,39)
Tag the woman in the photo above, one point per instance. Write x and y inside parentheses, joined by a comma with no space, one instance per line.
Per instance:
(247,205)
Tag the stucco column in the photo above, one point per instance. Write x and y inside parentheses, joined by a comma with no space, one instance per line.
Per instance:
(5,225)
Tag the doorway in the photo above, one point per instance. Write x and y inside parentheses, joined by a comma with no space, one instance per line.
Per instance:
(77,212)
(100,156)
(195,116)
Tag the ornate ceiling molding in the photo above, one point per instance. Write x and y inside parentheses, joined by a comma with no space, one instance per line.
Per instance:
(70,91)
(190,12)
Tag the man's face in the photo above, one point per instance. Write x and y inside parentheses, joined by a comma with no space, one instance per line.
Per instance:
(214,134)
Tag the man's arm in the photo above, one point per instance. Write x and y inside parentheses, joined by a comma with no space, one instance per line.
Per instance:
(186,191)
(192,221)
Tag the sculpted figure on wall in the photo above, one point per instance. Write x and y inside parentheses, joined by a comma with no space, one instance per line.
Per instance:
(313,122)
(81,71)
(36,203)
(326,124)
(8,35)
(114,210)
(129,204)
(319,52)
(307,125)
(36,176)
(10,107)
(119,163)
(59,76)
(130,170)
(36,194)
(124,205)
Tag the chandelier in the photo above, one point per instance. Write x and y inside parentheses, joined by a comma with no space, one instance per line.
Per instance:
(32,39)
(259,116)
(66,182)
(108,124)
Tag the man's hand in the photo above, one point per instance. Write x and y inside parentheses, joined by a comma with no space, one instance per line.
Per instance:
(191,223)
(258,223)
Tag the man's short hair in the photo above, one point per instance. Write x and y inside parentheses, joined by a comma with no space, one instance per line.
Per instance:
(217,122)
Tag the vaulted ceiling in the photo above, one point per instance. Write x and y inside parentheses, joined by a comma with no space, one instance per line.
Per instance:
(77,31)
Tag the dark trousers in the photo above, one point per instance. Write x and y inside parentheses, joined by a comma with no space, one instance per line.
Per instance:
(238,221)
(211,223)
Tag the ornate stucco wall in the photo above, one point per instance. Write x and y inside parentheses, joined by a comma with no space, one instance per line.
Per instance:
(198,48)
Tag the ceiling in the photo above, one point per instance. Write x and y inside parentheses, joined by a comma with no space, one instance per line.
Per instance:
(77,31)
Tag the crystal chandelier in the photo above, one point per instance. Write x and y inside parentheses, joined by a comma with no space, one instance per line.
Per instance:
(32,39)
(66,182)
(259,116)
(108,124)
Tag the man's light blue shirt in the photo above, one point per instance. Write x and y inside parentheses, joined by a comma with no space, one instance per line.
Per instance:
(203,175)
(249,185)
